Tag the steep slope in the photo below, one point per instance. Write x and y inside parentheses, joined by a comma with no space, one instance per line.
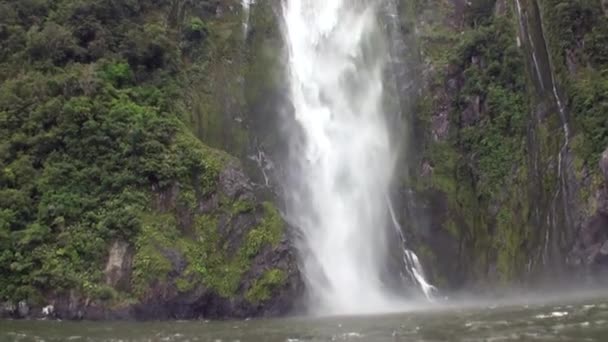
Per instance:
(512,130)
(109,205)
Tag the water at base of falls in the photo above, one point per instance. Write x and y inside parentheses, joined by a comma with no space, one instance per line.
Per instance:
(562,319)
(342,167)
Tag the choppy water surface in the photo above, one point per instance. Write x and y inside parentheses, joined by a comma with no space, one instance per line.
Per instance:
(576,320)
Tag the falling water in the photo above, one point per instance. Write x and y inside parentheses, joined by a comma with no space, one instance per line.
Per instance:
(246,4)
(343,165)
(532,31)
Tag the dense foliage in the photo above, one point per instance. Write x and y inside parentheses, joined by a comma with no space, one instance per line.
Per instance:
(578,37)
(90,124)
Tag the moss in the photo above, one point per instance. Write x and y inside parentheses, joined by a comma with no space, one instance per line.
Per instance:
(269,231)
(444,159)
(216,98)
(210,263)
(437,45)
(451,227)
(262,288)
(187,198)
(480,167)
(198,162)
(200,251)
(507,244)
(150,265)
(104,293)
(242,206)
(589,105)
(184,284)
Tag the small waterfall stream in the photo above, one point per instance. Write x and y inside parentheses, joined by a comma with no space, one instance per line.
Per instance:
(343,166)
(532,32)
(246,4)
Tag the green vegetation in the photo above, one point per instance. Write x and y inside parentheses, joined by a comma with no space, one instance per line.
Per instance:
(210,260)
(86,127)
(577,32)
(94,103)
(150,264)
(261,288)
(481,164)
(497,170)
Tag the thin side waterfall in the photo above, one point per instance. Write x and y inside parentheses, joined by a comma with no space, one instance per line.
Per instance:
(532,33)
(246,4)
(342,166)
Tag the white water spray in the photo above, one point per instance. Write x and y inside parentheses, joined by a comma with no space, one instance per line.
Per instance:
(337,57)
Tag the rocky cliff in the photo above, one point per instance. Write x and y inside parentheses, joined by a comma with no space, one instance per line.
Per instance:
(510,130)
(112,202)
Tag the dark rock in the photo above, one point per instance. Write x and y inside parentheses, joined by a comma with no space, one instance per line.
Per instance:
(440,124)
(7,310)
(452,85)
(572,62)
(209,204)
(500,9)
(601,197)
(604,164)
(594,231)
(604,249)
(591,248)
(233,182)
(472,112)
(282,257)
(165,198)
(233,229)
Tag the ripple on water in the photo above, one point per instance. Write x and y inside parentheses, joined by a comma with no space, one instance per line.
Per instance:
(553,314)
(347,336)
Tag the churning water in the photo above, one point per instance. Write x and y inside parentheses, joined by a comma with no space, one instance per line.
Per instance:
(568,321)
(343,164)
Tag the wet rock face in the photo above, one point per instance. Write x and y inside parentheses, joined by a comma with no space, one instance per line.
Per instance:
(202,302)
(604,164)
(234,184)
(166,301)
(591,248)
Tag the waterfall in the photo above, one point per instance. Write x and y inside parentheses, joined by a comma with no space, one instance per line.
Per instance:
(246,5)
(532,33)
(342,158)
